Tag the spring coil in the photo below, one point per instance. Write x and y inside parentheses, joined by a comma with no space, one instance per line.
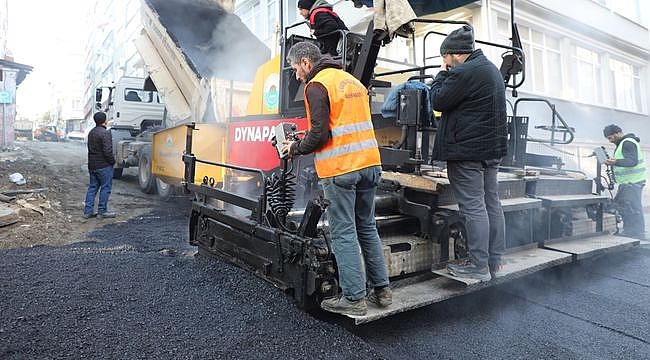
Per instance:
(610,178)
(281,195)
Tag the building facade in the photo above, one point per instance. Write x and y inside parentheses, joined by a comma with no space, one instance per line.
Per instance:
(110,49)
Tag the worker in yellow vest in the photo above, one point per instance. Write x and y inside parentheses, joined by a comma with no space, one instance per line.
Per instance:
(630,174)
(346,157)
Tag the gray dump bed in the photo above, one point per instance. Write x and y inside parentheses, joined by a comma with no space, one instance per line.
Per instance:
(187,44)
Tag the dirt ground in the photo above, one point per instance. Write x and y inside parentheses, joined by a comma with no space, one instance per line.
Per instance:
(53,214)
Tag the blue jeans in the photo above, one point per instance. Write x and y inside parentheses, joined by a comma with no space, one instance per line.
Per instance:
(476,189)
(628,203)
(102,180)
(355,241)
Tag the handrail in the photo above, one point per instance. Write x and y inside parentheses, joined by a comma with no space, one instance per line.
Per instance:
(568,133)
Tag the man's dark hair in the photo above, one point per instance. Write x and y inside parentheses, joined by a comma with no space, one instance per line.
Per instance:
(304,49)
(611,129)
(99,117)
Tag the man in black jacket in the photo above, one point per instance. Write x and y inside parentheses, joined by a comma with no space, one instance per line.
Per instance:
(472,139)
(324,23)
(100,168)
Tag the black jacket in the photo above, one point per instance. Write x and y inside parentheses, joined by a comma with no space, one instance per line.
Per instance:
(100,148)
(326,23)
(630,156)
(471,97)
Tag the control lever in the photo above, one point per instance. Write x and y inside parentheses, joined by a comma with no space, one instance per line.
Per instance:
(601,156)
(283,132)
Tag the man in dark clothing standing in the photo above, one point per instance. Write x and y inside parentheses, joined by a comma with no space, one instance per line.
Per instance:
(472,139)
(323,22)
(100,168)
(630,175)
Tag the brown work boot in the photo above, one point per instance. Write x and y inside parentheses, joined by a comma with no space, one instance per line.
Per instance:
(381,297)
(341,305)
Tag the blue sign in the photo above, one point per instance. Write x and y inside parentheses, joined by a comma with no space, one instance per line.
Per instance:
(6,97)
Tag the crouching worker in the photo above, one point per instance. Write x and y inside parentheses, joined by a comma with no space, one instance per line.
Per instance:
(346,157)
(324,24)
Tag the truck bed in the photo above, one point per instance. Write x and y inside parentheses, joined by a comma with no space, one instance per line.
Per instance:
(214,42)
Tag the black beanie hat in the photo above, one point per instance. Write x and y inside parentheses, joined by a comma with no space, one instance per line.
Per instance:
(611,130)
(460,41)
(305,4)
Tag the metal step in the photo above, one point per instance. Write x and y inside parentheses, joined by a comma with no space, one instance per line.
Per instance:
(411,294)
(588,247)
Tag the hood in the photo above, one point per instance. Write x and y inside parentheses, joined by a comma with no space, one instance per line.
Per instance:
(321,3)
(325,63)
(630,136)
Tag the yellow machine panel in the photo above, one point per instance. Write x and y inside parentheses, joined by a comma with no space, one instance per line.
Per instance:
(208,143)
(265,96)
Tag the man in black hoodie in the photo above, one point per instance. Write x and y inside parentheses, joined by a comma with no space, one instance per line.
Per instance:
(100,168)
(472,139)
(324,23)
(630,175)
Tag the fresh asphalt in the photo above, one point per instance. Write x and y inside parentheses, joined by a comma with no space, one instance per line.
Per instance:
(138,291)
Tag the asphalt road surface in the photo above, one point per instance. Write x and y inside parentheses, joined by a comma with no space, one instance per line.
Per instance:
(137,290)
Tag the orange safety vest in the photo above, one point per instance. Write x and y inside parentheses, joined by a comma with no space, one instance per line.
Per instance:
(353,145)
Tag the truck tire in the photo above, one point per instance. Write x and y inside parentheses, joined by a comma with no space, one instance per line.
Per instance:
(146,179)
(117,173)
(165,191)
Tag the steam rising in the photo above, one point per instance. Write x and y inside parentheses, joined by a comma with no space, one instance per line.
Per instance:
(215,42)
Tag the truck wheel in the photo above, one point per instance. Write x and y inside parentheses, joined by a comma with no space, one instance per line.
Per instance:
(165,191)
(117,173)
(145,178)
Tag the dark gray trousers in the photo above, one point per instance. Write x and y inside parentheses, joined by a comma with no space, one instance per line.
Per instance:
(628,203)
(475,187)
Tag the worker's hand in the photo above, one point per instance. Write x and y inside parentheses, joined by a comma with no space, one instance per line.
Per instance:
(610,162)
(286,148)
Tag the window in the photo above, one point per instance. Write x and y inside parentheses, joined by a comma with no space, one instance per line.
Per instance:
(543,61)
(586,80)
(271,16)
(626,82)
(138,95)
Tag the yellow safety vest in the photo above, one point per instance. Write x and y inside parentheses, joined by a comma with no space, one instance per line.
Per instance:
(629,175)
(353,145)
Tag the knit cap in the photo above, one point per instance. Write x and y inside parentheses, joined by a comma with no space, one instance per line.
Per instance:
(459,41)
(305,4)
(611,129)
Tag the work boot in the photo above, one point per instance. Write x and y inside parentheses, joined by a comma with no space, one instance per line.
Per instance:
(88,216)
(106,215)
(469,271)
(382,297)
(341,305)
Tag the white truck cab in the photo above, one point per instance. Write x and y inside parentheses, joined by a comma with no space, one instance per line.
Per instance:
(133,114)
(129,107)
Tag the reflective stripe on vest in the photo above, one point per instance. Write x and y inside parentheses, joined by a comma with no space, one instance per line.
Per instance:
(353,145)
(629,175)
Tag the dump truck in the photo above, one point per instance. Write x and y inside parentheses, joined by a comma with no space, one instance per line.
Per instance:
(24,128)
(133,114)
(198,69)
(263,213)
